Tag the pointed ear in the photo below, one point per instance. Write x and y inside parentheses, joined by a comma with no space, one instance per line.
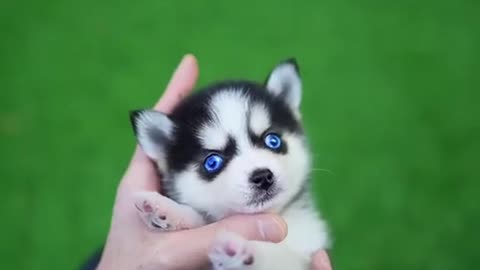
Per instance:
(153,130)
(284,81)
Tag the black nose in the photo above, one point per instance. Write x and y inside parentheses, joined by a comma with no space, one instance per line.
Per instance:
(262,178)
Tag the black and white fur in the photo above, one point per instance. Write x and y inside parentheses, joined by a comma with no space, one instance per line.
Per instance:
(231,119)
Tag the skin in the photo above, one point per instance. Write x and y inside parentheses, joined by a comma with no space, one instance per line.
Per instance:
(130,245)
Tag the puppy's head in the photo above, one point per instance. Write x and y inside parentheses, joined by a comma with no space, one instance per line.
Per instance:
(235,147)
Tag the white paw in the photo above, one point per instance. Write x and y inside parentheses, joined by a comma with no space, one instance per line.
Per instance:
(231,252)
(158,212)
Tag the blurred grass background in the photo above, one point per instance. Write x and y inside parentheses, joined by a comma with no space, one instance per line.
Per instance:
(391,103)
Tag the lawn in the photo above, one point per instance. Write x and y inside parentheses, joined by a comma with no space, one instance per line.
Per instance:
(391,103)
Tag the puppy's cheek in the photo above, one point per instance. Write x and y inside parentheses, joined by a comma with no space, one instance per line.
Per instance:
(234,182)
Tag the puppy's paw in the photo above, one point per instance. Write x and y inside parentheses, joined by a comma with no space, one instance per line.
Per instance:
(231,252)
(158,212)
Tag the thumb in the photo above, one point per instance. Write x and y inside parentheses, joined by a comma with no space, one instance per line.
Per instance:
(263,227)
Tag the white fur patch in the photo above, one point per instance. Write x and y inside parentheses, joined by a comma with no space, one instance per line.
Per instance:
(208,196)
(213,137)
(259,119)
(296,164)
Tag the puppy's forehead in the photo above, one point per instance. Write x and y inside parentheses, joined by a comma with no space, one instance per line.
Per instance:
(228,110)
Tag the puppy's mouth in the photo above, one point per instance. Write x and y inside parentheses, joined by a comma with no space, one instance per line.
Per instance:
(261,198)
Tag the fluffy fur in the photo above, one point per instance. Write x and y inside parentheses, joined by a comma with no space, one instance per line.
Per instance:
(232,119)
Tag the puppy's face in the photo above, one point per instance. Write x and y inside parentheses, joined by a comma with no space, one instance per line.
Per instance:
(236,147)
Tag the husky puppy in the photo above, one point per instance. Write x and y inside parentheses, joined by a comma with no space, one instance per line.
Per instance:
(237,147)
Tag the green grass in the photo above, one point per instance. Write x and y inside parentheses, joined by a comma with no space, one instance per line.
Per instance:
(391,103)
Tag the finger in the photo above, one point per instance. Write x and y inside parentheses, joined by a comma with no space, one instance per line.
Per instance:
(181,84)
(264,227)
(320,261)
(140,175)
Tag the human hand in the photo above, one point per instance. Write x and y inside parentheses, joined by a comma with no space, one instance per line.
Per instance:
(130,245)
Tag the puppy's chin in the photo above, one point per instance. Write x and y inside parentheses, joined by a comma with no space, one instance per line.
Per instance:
(265,203)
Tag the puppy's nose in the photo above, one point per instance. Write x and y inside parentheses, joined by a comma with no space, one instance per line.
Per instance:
(262,178)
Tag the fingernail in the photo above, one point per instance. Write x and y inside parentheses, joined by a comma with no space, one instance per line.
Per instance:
(272,228)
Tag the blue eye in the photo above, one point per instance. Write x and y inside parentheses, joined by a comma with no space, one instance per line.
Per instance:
(213,163)
(273,141)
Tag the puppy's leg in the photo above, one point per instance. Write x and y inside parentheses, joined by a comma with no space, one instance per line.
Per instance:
(163,214)
(232,252)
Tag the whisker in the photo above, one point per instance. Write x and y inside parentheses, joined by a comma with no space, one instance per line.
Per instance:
(323,170)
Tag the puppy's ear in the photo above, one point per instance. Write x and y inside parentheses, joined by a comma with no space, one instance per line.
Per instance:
(284,81)
(153,130)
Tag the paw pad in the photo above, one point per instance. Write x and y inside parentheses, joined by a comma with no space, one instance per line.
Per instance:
(147,207)
(248,261)
(231,252)
(154,216)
